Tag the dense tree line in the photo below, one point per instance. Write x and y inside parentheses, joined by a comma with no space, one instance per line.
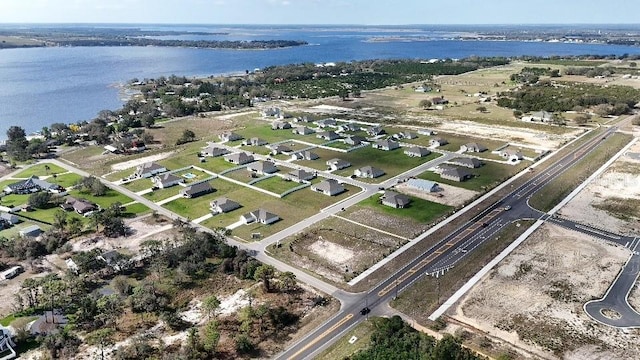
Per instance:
(563,97)
(395,339)
(531,75)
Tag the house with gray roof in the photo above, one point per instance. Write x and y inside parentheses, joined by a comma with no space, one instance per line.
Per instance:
(164,181)
(456,174)
(302,130)
(305,155)
(223,205)
(438,141)
(300,175)
(261,216)
(511,154)
(11,219)
(31,185)
(280,149)
(394,199)
(280,125)
(338,164)
(214,151)
(329,187)
(254,141)
(328,135)
(81,206)
(471,163)
(417,151)
(385,145)
(426,132)
(354,140)
(375,130)
(30,231)
(327,123)
(542,116)
(368,172)
(473,147)
(349,127)
(406,135)
(198,189)
(262,167)
(240,158)
(148,170)
(230,136)
(423,185)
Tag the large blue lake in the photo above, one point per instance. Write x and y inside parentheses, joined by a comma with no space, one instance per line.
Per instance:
(45,85)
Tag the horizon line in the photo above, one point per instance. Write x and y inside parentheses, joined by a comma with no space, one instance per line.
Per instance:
(317,24)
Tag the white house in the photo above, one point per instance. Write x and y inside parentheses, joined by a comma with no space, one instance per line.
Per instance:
(261,216)
(337,164)
(368,172)
(329,187)
(148,170)
(166,180)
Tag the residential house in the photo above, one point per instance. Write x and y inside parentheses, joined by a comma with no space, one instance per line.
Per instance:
(9,218)
(302,130)
(261,216)
(300,175)
(329,187)
(438,141)
(473,147)
(164,181)
(337,164)
(240,158)
(385,145)
(262,167)
(272,112)
(417,151)
(198,189)
(223,205)
(280,125)
(30,231)
(375,131)
(254,141)
(541,116)
(426,132)
(368,172)
(327,123)
(327,135)
(230,136)
(511,154)
(406,135)
(304,155)
(114,259)
(280,149)
(471,163)
(148,170)
(394,199)
(456,174)
(32,185)
(439,101)
(354,140)
(214,151)
(349,127)
(81,206)
(423,185)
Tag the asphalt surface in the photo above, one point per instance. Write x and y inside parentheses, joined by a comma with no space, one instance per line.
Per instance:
(446,253)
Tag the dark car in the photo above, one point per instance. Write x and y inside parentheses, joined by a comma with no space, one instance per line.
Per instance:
(365,311)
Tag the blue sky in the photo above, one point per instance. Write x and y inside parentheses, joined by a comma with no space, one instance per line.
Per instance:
(366,12)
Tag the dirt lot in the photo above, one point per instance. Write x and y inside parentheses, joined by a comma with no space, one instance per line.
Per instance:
(449,195)
(533,299)
(611,201)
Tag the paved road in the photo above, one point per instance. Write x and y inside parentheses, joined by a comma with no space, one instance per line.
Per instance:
(444,254)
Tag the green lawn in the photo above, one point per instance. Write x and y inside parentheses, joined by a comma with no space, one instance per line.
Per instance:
(200,175)
(197,207)
(216,164)
(339,145)
(138,185)
(47,215)
(455,141)
(12,200)
(242,175)
(262,150)
(276,184)
(104,201)
(136,209)
(486,177)
(115,176)
(420,210)
(161,194)
(342,349)
(40,170)
(65,180)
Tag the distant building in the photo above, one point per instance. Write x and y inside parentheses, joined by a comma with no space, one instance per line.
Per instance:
(280,125)
(327,123)
(198,189)
(354,140)
(240,158)
(349,127)
(261,216)
(9,218)
(426,132)
(280,149)
(511,154)
(329,187)
(164,181)
(406,135)
(395,200)
(439,101)
(148,170)
(541,116)
(375,131)
(81,206)
(417,151)
(368,172)
(223,205)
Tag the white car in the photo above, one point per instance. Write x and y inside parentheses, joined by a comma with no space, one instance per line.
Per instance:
(508,207)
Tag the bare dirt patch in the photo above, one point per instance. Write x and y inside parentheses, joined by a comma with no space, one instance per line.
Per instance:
(449,195)
(609,202)
(533,299)
(135,162)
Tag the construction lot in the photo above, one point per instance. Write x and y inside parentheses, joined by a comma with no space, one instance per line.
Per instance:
(533,299)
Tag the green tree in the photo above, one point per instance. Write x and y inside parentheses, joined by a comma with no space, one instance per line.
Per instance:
(40,200)
(59,220)
(211,337)
(425,104)
(17,143)
(287,281)
(265,273)
(210,305)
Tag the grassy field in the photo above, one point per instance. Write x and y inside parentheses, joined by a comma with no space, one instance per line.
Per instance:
(136,209)
(104,201)
(424,296)
(65,180)
(47,215)
(550,195)
(161,194)
(455,141)
(261,150)
(199,175)
(263,131)
(12,200)
(138,185)
(40,170)
(276,184)
(197,207)
(486,177)
(420,210)
(342,349)
(117,175)
(216,164)
(242,175)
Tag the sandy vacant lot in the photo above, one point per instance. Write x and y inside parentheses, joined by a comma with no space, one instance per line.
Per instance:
(534,298)
(135,162)
(621,183)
